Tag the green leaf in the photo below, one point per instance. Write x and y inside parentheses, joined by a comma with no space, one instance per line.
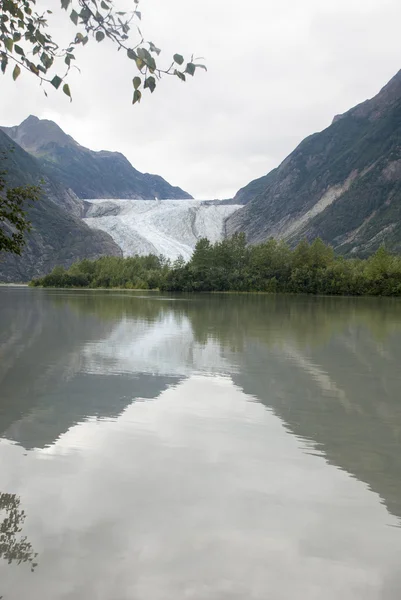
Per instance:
(190,69)
(104,5)
(66,90)
(85,14)
(80,38)
(65,4)
(139,63)
(8,42)
(35,69)
(99,36)
(46,60)
(137,96)
(18,50)
(131,54)
(137,82)
(138,14)
(41,39)
(74,17)
(16,72)
(147,58)
(4,62)
(153,48)
(56,81)
(150,83)
(180,75)
(178,59)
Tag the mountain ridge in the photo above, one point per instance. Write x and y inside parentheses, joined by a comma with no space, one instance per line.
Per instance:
(342,184)
(89,174)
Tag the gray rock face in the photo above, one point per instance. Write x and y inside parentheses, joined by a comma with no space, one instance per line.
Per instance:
(342,184)
(89,174)
(58,235)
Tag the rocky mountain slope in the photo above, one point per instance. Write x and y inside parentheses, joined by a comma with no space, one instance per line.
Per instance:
(342,184)
(58,235)
(89,174)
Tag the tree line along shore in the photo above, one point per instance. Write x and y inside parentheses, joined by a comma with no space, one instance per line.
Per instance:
(232,265)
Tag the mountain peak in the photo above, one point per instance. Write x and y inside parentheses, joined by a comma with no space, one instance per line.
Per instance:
(89,174)
(35,134)
(30,119)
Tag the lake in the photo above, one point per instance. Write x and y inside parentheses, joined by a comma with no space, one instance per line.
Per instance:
(220,447)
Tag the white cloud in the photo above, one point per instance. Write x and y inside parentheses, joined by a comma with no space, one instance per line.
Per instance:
(278,71)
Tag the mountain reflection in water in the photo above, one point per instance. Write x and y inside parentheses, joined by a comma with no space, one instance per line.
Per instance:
(74,365)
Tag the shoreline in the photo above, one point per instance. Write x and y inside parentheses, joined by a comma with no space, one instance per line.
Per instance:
(214,292)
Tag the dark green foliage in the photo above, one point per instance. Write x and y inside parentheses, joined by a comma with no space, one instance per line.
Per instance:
(231,265)
(14,222)
(136,272)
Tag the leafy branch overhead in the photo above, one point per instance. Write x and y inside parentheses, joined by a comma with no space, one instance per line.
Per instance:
(26,44)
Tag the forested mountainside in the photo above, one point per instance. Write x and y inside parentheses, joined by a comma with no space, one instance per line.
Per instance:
(342,184)
(88,173)
(58,235)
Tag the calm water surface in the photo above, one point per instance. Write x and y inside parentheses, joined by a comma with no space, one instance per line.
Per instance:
(201,447)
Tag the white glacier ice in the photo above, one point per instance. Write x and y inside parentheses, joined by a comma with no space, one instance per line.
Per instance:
(168,227)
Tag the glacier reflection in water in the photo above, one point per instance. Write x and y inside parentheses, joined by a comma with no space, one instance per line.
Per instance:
(202,446)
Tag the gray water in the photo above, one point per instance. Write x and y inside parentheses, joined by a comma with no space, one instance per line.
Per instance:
(203,447)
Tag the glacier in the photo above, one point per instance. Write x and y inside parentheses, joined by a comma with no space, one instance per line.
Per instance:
(168,227)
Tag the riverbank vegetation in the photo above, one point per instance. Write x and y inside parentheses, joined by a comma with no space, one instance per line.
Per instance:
(231,265)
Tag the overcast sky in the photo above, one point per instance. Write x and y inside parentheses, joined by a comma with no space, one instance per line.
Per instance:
(278,70)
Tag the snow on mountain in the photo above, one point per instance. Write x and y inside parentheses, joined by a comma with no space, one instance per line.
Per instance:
(171,227)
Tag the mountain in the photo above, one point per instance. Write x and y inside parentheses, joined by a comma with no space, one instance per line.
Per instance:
(51,396)
(89,174)
(342,184)
(58,235)
(333,380)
